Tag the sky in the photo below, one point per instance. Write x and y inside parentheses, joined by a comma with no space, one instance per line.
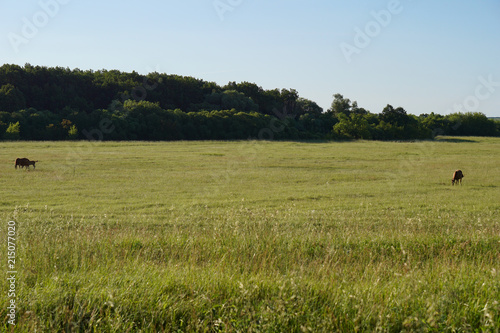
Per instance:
(423,55)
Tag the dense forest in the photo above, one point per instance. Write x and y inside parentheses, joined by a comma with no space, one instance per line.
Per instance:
(40,103)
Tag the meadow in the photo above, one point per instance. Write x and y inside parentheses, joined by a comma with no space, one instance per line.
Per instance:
(252,236)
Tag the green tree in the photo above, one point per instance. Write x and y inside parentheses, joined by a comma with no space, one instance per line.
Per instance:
(397,117)
(13,132)
(341,105)
(73,132)
(306,106)
(232,99)
(472,123)
(11,98)
(354,126)
(289,99)
(434,123)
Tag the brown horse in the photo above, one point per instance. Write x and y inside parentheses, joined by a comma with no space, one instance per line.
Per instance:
(24,162)
(21,162)
(457,177)
(31,163)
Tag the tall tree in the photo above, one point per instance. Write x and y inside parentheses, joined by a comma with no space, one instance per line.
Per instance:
(341,105)
(353,126)
(397,117)
(11,98)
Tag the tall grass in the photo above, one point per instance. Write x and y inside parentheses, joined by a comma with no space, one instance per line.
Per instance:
(254,236)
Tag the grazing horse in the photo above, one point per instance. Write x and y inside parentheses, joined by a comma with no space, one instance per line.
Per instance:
(457,177)
(24,162)
(31,163)
(21,162)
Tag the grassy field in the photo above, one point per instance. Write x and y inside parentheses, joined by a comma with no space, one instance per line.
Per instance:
(253,236)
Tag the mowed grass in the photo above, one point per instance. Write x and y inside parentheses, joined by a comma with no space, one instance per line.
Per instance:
(253,236)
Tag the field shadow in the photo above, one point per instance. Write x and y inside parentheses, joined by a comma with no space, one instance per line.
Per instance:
(468,186)
(480,186)
(455,140)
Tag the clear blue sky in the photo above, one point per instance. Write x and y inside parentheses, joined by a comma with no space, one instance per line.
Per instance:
(426,56)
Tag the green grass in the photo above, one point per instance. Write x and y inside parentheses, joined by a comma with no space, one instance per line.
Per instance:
(254,236)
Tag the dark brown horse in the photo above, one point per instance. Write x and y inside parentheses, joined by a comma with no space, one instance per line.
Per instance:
(31,163)
(457,177)
(24,162)
(21,162)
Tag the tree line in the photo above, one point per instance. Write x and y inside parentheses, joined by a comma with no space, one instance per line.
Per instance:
(40,103)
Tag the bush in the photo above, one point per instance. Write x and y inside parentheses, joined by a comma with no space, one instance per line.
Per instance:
(13,132)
